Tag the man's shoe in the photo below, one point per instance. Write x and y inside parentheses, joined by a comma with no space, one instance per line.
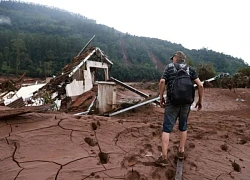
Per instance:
(180,155)
(161,162)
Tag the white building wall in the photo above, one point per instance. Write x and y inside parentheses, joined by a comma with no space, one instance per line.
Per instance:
(89,78)
(75,88)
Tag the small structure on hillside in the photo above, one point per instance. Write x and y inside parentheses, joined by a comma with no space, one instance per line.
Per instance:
(76,78)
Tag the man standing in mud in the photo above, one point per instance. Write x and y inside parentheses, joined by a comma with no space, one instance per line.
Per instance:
(173,111)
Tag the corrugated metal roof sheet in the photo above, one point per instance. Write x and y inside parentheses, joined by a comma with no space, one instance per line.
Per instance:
(17,103)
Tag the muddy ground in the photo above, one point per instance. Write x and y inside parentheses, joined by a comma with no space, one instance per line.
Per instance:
(54,145)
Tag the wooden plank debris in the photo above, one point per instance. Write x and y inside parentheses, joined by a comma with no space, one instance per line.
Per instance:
(130,88)
(134,106)
(7,113)
(83,49)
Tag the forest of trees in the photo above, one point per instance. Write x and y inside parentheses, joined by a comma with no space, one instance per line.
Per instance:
(41,40)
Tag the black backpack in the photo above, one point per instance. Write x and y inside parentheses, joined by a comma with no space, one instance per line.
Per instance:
(182,91)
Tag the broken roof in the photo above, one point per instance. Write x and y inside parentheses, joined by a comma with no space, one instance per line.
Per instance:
(92,53)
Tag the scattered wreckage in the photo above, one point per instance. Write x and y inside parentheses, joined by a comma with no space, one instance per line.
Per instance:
(75,89)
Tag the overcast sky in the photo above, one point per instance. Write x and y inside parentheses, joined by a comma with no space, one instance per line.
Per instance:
(218,25)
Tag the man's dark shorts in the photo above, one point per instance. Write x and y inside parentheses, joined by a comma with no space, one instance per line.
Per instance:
(172,112)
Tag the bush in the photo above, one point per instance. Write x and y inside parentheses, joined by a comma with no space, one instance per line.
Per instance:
(205,71)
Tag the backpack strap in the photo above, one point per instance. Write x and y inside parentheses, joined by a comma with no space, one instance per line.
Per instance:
(175,67)
(188,70)
(184,67)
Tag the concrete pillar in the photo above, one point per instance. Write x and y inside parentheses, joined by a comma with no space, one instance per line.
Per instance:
(106,71)
(106,96)
(87,80)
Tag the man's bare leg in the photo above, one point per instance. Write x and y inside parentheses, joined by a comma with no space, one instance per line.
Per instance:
(183,138)
(165,141)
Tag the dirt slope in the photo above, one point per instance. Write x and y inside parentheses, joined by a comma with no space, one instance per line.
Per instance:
(62,146)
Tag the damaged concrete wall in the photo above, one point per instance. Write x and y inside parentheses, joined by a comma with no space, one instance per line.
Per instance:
(89,76)
(75,88)
(106,96)
(76,77)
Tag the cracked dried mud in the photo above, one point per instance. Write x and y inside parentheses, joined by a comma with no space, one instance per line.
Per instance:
(54,145)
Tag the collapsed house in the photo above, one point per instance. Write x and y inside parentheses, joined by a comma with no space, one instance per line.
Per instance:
(77,82)
(76,88)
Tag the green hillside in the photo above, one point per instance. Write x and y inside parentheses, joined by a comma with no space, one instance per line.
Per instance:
(40,40)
